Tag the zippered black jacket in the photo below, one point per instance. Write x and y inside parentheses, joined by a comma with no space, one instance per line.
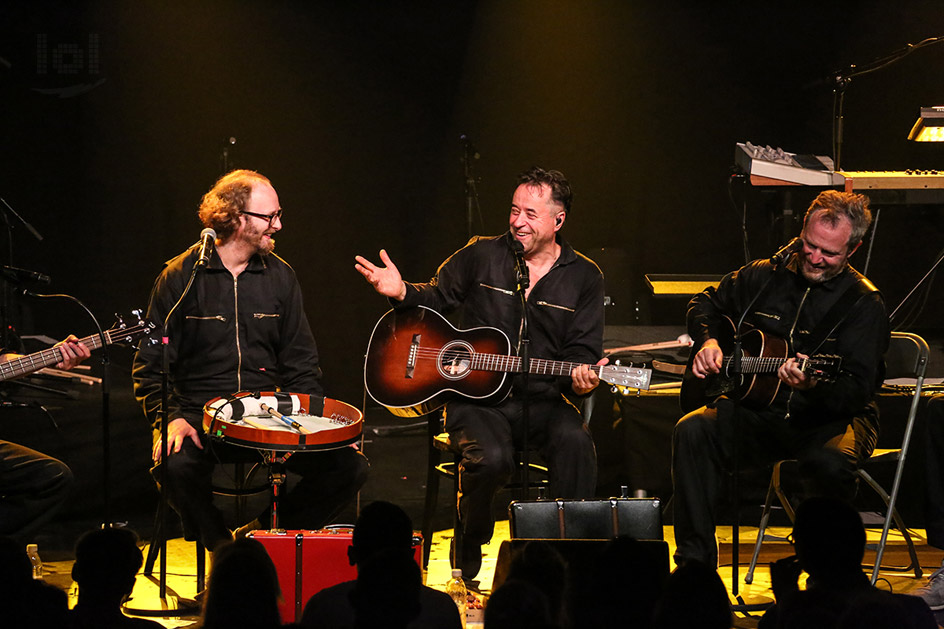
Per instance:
(248,333)
(790,308)
(565,306)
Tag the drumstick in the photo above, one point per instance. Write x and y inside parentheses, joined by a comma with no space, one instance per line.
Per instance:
(285,418)
(256,425)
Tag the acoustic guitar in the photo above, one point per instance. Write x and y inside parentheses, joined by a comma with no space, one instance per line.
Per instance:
(417,361)
(757,384)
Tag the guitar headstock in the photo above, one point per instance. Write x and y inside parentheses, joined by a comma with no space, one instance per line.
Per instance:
(127,333)
(823,367)
(628,377)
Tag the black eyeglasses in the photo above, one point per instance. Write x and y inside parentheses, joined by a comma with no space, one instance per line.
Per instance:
(266,217)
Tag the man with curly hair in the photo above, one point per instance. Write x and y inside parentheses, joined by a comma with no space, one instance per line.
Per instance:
(242,327)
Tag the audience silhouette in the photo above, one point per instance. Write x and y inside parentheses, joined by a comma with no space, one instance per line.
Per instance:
(519,604)
(243,590)
(540,565)
(829,539)
(24,601)
(106,564)
(694,596)
(380,546)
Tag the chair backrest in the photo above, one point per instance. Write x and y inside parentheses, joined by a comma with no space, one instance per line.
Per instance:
(907,356)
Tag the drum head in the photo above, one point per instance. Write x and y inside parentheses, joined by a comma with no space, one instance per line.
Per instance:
(303,423)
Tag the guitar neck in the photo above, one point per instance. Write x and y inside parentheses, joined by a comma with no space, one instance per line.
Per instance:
(34,362)
(756,364)
(512,364)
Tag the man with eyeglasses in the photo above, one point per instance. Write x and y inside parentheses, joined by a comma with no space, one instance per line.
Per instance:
(242,327)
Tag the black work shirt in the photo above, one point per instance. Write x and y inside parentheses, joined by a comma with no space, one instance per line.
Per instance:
(790,308)
(565,307)
(231,334)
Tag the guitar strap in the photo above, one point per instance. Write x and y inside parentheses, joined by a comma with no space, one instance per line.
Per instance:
(856,292)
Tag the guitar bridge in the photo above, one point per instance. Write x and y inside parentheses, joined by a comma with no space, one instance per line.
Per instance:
(411,359)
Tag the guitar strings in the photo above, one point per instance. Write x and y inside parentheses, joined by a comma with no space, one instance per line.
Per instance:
(498,362)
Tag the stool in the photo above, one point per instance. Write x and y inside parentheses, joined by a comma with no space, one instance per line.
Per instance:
(438,445)
(236,486)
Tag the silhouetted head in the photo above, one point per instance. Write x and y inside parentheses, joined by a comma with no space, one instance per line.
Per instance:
(829,537)
(541,565)
(694,596)
(381,526)
(243,589)
(387,593)
(15,569)
(518,605)
(106,562)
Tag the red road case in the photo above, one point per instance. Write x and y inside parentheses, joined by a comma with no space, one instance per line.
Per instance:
(307,562)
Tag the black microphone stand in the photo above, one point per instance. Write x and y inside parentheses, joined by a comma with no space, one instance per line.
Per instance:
(524,352)
(842,78)
(469,155)
(165,403)
(106,405)
(5,212)
(937,262)
(735,371)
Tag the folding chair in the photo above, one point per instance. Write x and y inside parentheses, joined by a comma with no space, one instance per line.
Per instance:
(907,357)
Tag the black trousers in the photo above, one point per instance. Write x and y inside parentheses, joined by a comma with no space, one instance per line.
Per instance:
(828,456)
(330,480)
(488,436)
(32,486)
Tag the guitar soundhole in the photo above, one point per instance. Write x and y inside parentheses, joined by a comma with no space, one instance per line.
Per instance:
(455,360)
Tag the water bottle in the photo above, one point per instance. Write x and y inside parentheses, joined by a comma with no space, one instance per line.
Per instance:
(33,551)
(456,589)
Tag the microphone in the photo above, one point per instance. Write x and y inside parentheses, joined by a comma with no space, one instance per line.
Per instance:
(207,240)
(786,251)
(19,276)
(521,267)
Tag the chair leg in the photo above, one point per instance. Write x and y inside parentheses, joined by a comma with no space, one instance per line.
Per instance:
(781,496)
(154,548)
(765,516)
(774,488)
(891,514)
(457,520)
(432,491)
(201,566)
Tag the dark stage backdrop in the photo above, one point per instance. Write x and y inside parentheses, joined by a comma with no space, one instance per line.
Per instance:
(114,116)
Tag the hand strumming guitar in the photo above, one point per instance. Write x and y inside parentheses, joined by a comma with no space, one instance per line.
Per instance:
(708,359)
(386,279)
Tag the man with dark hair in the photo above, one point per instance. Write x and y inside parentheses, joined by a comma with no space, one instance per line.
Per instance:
(383,535)
(242,327)
(812,303)
(565,313)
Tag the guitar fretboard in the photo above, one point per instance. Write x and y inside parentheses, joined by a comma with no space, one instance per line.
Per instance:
(755,364)
(34,362)
(512,364)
